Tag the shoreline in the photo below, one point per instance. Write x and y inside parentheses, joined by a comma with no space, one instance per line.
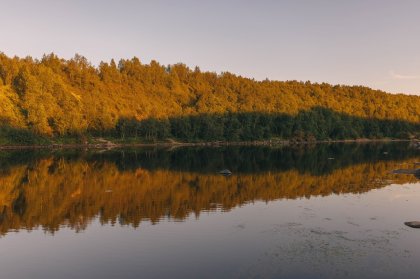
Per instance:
(110,145)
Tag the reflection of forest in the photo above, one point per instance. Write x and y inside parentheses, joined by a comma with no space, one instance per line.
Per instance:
(67,189)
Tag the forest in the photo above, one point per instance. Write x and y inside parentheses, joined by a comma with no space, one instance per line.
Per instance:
(53,99)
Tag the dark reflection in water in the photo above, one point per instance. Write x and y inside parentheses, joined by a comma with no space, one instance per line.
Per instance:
(71,188)
(311,212)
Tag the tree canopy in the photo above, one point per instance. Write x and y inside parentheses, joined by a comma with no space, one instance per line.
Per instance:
(54,97)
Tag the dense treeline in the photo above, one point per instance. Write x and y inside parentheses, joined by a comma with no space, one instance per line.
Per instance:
(315,124)
(53,97)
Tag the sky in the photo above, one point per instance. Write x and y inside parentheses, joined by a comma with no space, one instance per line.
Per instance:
(375,43)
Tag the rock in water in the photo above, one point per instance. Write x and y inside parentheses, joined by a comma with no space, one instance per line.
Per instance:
(225,172)
(416,172)
(413,224)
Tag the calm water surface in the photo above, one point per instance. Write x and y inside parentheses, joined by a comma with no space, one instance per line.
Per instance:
(326,211)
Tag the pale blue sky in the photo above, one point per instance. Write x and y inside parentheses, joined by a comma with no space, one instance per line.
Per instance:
(363,42)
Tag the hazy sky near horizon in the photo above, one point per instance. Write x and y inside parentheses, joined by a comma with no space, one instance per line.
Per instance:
(360,42)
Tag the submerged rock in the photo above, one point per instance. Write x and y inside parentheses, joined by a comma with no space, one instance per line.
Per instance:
(413,224)
(406,171)
(415,172)
(225,172)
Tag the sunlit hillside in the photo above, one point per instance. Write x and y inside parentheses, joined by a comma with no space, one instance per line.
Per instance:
(53,97)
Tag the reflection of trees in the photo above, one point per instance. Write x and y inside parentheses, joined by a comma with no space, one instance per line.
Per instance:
(245,159)
(305,159)
(54,191)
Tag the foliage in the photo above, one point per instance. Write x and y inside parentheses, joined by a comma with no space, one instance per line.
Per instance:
(55,97)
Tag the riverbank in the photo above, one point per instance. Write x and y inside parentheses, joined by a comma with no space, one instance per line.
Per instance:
(107,144)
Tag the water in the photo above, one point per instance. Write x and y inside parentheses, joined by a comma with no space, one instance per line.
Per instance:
(326,211)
